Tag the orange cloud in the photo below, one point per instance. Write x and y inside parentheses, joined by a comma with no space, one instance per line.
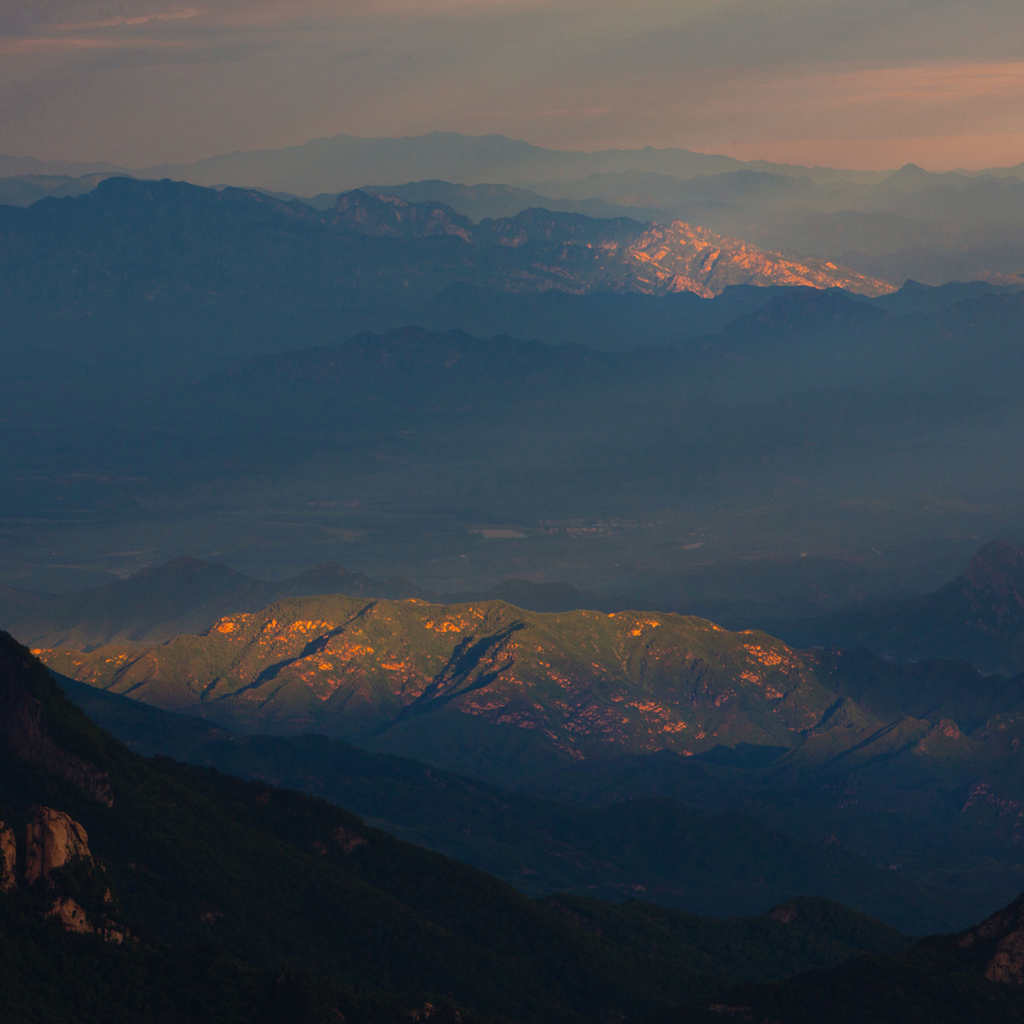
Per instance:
(937,112)
(185,14)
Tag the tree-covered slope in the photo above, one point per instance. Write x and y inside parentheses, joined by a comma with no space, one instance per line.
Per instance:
(150,891)
(712,861)
(575,683)
(976,618)
(914,767)
(499,679)
(976,975)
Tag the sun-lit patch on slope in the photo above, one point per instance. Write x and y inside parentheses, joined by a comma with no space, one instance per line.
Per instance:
(681,257)
(588,683)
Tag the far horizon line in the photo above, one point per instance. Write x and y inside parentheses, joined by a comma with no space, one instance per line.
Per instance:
(103,166)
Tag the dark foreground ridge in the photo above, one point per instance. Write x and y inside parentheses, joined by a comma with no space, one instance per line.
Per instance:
(149,891)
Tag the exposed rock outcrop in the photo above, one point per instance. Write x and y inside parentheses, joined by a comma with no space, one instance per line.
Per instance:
(53,839)
(681,257)
(72,916)
(574,253)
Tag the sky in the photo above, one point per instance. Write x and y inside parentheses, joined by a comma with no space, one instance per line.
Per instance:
(851,83)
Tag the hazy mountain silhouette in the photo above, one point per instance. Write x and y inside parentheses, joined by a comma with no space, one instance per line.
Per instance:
(976,618)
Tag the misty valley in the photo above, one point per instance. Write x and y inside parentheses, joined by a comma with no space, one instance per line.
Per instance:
(450,579)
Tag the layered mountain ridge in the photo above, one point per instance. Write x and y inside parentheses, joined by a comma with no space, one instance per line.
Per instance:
(534,250)
(624,255)
(571,685)
(977,617)
(169,868)
(886,759)
(161,601)
(582,680)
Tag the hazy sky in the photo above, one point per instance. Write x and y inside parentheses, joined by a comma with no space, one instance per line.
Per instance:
(860,83)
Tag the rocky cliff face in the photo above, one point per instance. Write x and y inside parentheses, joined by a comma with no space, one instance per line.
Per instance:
(681,257)
(46,863)
(52,840)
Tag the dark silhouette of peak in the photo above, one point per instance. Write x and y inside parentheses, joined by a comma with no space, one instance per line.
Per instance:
(973,976)
(794,311)
(160,601)
(41,730)
(977,618)
(916,298)
(909,176)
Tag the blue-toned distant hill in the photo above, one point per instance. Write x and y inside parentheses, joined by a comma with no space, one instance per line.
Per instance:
(159,602)
(976,618)
(906,222)
(250,359)
(349,161)
(26,189)
(535,250)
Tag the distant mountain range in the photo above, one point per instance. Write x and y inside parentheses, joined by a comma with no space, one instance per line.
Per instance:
(530,409)
(422,678)
(976,618)
(889,225)
(534,251)
(207,348)
(26,189)
(596,706)
(181,596)
(348,161)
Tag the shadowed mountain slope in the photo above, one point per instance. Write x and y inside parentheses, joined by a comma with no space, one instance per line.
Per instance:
(977,618)
(576,683)
(533,251)
(881,757)
(177,371)
(976,975)
(158,603)
(705,862)
(905,223)
(165,892)
(495,682)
